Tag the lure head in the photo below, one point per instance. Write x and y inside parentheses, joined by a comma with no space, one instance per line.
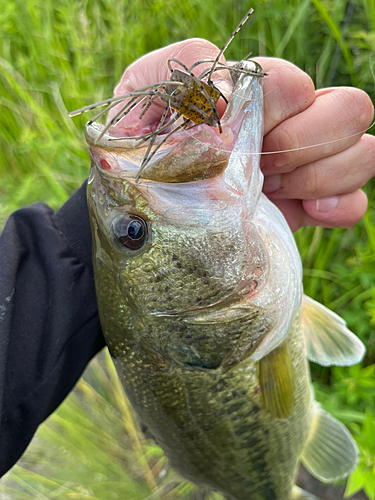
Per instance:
(194,99)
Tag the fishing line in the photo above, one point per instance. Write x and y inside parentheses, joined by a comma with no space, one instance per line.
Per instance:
(283,150)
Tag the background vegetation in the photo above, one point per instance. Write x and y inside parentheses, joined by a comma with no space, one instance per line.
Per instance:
(58,55)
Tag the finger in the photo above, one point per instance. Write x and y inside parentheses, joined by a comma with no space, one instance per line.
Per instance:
(153,68)
(287,91)
(326,177)
(341,211)
(332,122)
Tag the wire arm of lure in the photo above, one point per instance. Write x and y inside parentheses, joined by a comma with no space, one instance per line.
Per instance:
(232,69)
(117,99)
(157,132)
(242,22)
(146,106)
(133,107)
(145,137)
(180,127)
(129,106)
(103,112)
(222,66)
(172,59)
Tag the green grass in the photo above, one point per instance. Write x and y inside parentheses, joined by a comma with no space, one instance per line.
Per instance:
(60,55)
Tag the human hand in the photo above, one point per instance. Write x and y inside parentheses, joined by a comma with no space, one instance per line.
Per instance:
(311,186)
(316,186)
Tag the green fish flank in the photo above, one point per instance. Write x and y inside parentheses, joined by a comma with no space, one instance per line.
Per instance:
(199,288)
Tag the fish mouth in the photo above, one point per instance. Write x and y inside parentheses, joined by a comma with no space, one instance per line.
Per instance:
(196,153)
(185,157)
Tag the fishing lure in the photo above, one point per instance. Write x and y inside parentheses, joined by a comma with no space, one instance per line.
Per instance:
(190,100)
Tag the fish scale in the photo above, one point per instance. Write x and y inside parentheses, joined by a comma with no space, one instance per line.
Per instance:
(214,408)
(241,418)
(204,276)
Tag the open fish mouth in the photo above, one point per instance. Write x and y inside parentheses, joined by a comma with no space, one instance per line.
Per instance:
(185,157)
(197,152)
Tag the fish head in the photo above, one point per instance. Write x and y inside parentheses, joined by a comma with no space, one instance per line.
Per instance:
(179,254)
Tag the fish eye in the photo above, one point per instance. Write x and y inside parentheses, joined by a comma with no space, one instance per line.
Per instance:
(130,231)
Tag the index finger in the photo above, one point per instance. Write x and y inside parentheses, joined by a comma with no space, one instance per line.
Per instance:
(287,91)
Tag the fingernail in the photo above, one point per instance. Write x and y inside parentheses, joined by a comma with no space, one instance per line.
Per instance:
(271,183)
(326,204)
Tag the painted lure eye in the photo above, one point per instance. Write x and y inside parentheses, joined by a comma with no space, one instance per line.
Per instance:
(131,231)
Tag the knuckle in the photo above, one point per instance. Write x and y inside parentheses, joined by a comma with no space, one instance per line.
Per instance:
(293,87)
(367,157)
(288,143)
(369,146)
(189,49)
(302,87)
(314,181)
(345,103)
(365,111)
(356,105)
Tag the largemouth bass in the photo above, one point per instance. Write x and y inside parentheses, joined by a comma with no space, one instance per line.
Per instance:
(199,287)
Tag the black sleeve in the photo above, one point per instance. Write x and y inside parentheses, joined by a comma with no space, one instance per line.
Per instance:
(49,324)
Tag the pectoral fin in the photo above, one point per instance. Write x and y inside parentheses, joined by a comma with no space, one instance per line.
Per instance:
(328,340)
(330,452)
(277,383)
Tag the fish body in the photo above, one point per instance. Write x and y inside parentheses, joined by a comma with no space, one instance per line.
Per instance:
(204,314)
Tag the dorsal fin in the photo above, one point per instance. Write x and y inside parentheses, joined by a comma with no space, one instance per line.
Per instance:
(328,340)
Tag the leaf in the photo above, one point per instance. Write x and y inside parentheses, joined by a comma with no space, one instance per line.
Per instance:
(355,483)
(369,485)
(369,433)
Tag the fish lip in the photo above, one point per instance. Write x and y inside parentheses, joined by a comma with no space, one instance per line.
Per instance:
(173,162)
(92,132)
